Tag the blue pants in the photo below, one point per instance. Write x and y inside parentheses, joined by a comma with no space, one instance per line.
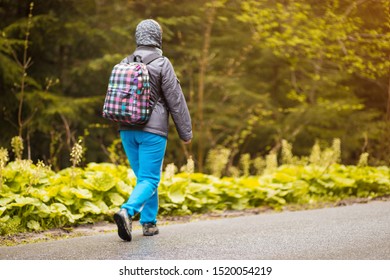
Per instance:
(145,152)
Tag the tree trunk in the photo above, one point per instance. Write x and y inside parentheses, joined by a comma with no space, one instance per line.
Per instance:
(203,62)
(388,101)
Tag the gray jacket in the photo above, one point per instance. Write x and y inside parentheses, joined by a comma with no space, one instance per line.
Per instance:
(165,84)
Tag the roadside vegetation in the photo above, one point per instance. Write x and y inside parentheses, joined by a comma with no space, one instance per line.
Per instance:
(33,197)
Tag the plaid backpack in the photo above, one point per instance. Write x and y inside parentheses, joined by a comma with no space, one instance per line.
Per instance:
(128,93)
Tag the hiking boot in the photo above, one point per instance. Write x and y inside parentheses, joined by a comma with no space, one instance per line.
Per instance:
(123,221)
(149,229)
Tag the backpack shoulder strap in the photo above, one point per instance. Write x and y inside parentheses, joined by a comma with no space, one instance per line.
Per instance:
(148,59)
(130,58)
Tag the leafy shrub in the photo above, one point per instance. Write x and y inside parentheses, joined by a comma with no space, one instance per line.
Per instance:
(44,199)
(33,197)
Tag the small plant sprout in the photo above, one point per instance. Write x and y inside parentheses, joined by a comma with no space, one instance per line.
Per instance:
(3,161)
(287,155)
(271,161)
(189,167)
(170,170)
(315,156)
(17,146)
(363,160)
(336,147)
(3,157)
(76,154)
(217,160)
(245,164)
(259,165)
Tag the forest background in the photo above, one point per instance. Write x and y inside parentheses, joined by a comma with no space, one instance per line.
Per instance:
(254,73)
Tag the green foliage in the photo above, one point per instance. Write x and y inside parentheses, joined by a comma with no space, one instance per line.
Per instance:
(315,50)
(35,198)
(296,70)
(41,198)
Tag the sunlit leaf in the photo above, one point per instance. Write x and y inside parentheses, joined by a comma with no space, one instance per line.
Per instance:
(116,199)
(6,200)
(2,210)
(41,194)
(89,207)
(100,181)
(22,201)
(176,192)
(81,193)
(34,225)
(58,208)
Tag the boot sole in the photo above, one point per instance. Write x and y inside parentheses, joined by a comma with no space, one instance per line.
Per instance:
(151,234)
(122,231)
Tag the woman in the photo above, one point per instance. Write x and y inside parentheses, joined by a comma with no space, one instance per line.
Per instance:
(145,145)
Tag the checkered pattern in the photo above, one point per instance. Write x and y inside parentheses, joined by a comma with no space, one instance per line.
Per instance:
(128,94)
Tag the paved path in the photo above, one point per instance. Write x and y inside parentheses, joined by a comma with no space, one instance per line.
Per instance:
(360,231)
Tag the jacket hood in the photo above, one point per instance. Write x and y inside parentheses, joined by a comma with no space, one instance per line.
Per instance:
(148,33)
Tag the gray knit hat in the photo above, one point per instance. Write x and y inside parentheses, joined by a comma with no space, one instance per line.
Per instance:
(148,33)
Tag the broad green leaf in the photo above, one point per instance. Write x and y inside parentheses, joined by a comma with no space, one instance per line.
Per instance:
(278,200)
(58,207)
(344,182)
(2,210)
(121,172)
(191,197)
(22,201)
(176,192)
(250,182)
(89,207)
(113,209)
(102,206)
(53,189)
(168,206)
(66,192)
(41,194)
(116,199)
(81,193)
(73,217)
(200,178)
(34,225)
(234,192)
(100,181)
(5,218)
(327,184)
(196,187)
(65,200)
(281,177)
(6,200)
(123,188)
(42,210)
(240,204)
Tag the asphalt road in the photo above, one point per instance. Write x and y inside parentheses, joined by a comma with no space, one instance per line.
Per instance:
(356,232)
